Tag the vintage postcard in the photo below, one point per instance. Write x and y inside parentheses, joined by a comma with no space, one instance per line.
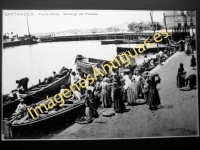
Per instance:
(99,74)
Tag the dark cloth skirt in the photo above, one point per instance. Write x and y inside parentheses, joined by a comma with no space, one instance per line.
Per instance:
(89,112)
(97,97)
(97,102)
(180,81)
(153,97)
(193,63)
(192,81)
(124,95)
(119,105)
(105,98)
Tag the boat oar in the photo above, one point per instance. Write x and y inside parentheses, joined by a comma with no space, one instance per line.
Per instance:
(23,119)
(12,119)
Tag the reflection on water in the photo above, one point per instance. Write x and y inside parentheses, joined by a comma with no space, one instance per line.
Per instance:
(38,61)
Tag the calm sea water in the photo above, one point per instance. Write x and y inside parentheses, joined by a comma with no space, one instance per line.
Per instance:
(38,61)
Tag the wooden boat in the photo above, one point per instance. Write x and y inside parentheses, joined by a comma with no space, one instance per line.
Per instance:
(153,49)
(87,65)
(27,125)
(119,42)
(105,42)
(36,93)
(137,41)
(27,41)
(130,41)
(141,41)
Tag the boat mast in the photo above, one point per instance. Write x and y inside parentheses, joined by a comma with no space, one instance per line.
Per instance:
(166,26)
(28,27)
(154,29)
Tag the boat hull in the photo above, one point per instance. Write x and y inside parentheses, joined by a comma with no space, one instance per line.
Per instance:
(46,124)
(87,67)
(18,43)
(36,96)
(151,50)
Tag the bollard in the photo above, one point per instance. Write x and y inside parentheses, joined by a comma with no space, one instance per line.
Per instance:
(6,128)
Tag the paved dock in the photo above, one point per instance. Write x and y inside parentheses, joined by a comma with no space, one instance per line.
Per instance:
(176,117)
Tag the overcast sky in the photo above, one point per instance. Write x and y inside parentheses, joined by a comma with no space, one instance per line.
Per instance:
(41,23)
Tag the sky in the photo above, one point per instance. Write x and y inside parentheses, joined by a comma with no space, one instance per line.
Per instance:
(44,21)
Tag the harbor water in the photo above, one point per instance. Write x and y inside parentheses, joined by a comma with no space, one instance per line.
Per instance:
(38,61)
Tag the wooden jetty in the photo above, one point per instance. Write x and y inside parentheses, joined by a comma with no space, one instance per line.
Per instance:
(107,38)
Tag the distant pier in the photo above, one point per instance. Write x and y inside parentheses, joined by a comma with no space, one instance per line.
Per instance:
(98,36)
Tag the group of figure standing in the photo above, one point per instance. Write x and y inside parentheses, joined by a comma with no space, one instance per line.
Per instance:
(188,45)
(182,80)
(120,87)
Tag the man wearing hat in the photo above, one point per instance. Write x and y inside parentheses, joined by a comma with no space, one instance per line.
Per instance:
(21,109)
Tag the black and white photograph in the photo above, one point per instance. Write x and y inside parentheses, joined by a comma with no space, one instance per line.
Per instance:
(99,74)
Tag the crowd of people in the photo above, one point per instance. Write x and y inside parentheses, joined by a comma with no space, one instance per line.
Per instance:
(128,85)
(182,80)
(188,45)
(118,87)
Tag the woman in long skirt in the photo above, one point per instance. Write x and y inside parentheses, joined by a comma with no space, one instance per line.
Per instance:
(131,92)
(91,109)
(127,87)
(193,62)
(153,96)
(136,87)
(105,94)
(118,100)
(123,91)
(145,91)
(180,81)
(97,93)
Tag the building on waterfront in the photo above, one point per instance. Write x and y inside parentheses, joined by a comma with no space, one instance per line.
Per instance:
(181,22)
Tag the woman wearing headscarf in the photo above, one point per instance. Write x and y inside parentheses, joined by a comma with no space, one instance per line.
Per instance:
(146,62)
(153,96)
(123,91)
(97,93)
(137,85)
(119,106)
(113,80)
(181,44)
(193,62)
(91,109)
(127,87)
(132,92)
(187,46)
(105,94)
(180,80)
(145,88)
